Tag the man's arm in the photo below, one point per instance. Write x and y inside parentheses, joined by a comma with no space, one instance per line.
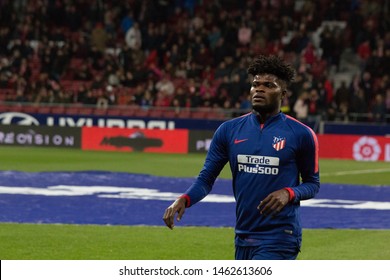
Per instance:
(216,158)
(215,161)
(308,166)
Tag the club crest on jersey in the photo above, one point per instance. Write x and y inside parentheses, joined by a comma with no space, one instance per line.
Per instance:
(279,143)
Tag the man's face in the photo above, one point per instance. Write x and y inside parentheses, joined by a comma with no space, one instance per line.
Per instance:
(267,91)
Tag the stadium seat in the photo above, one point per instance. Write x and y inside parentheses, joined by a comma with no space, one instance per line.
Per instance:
(44,110)
(155,113)
(127,111)
(113,112)
(141,113)
(85,111)
(4,93)
(198,115)
(169,114)
(184,114)
(30,109)
(71,110)
(100,111)
(3,108)
(215,116)
(58,110)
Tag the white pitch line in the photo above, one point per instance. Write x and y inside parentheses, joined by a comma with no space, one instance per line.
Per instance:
(364,171)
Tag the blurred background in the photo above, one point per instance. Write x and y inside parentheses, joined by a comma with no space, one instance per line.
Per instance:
(148,82)
(188,58)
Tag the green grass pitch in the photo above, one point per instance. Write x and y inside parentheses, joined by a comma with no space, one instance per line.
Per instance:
(76,242)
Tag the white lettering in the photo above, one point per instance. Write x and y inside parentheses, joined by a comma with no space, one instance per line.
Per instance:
(69,141)
(39,139)
(258,169)
(67,121)
(249,159)
(171,125)
(102,122)
(23,138)
(50,121)
(115,123)
(136,124)
(203,144)
(9,138)
(157,124)
(35,139)
(57,140)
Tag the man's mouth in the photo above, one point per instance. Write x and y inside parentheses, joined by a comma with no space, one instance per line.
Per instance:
(258,98)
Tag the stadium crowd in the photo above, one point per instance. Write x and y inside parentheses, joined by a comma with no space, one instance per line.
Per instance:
(194,53)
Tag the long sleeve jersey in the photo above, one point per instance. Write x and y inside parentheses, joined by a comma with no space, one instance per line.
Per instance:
(281,153)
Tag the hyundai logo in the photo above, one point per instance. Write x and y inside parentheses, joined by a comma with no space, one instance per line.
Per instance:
(17,118)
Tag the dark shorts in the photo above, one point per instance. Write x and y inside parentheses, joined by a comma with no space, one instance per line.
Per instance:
(269,250)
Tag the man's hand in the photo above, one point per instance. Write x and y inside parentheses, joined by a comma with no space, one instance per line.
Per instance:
(179,207)
(274,202)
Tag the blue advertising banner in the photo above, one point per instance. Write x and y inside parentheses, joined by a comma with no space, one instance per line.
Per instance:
(19,118)
(114,198)
(66,120)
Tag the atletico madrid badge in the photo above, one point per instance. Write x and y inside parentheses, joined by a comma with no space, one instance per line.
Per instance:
(279,143)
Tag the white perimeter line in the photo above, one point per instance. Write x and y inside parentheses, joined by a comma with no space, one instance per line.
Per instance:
(341,173)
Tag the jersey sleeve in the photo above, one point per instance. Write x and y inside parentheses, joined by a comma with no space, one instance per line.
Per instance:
(216,158)
(308,165)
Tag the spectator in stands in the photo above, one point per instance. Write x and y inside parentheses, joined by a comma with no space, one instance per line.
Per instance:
(342,95)
(221,72)
(102,100)
(301,107)
(378,110)
(387,101)
(313,103)
(359,105)
(82,73)
(166,85)
(163,99)
(127,21)
(57,32)
(366,83)
(43,96)
(98,82)
(133,37)
(235,90)
(99,37)
(20,97)
(244,34)
(90,98)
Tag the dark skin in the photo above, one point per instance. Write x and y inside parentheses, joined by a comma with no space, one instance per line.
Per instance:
(267,92)
(179,207)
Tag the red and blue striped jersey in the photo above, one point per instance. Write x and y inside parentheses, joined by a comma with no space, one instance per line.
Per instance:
(282,152)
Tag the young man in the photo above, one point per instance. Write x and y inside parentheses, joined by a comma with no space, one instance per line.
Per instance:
(274,164)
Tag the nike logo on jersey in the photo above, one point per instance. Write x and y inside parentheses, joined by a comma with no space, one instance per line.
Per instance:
(236,141)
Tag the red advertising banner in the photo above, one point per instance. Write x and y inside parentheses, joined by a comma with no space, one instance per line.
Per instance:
(357,147)
(141,140)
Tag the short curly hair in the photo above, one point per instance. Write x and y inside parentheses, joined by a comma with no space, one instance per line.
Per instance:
(272,65)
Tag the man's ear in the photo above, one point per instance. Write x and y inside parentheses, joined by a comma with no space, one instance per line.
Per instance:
(284,93)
